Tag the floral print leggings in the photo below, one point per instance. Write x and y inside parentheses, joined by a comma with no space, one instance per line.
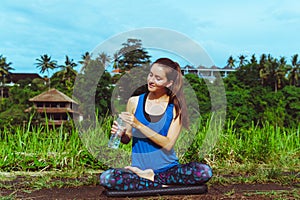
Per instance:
(193,173)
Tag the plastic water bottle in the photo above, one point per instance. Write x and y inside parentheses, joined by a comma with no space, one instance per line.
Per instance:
(115,139)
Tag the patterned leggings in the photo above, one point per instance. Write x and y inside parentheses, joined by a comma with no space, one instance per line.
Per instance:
(188,174)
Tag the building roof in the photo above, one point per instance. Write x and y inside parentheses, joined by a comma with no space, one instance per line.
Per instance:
(52,95)
(118,70)
(214,67)
(15,77)
(201,67)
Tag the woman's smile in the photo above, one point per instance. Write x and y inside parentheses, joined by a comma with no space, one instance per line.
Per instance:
(151,85)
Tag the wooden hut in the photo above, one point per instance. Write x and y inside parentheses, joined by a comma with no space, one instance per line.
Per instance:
(55,106)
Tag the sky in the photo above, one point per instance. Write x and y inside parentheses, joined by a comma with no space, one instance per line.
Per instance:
(185,29)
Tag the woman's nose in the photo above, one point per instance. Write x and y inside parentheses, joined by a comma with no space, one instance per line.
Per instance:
(151,80)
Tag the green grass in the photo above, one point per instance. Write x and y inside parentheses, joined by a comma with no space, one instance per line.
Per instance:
(258,154)
(269,145)
(40,149)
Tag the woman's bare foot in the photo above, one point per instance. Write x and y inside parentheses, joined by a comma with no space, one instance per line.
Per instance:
(147,173)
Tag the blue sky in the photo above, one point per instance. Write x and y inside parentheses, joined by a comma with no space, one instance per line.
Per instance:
(31,28)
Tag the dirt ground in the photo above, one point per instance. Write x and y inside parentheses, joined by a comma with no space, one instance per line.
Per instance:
(237,191)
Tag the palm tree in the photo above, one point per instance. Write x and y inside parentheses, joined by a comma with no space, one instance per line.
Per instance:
(103,58)
(263,71)
(45,63)
(68,72)
(86,58)
(253,59)
(116,58)
(282,61)
(253,66)
(64,78)
(242,59)
(293,75)
(280,72)
(275,71)
(230,62)
(262,59)
(4,72)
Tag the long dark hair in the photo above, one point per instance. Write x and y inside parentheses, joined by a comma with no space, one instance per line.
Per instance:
(175,92)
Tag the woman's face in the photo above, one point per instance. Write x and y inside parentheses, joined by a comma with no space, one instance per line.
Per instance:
(157,79)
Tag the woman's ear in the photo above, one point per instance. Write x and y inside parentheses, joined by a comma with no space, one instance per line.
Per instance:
(169,84)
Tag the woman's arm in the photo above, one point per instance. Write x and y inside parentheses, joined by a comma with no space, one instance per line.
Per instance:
(130,108)
(166,142)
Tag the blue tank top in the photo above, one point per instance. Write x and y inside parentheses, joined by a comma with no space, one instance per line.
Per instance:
(145,153)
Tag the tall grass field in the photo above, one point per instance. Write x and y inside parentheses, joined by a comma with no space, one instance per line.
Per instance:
(262,151)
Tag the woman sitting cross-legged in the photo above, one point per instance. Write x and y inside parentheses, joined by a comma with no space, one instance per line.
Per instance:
(155,120)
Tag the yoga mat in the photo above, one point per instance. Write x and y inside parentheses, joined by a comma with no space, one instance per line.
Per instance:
(172,190)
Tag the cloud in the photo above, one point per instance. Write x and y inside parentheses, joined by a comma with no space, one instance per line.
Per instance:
(72,27)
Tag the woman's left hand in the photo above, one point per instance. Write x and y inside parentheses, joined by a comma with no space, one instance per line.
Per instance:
(129,119)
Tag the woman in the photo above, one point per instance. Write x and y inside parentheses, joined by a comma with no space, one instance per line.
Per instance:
(155,120)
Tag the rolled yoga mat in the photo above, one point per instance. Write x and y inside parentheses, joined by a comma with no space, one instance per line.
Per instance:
(172,190)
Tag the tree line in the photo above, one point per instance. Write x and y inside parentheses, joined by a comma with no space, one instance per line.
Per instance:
(260,90)
(271,71)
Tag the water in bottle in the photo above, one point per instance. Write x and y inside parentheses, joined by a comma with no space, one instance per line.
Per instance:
(115,139)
